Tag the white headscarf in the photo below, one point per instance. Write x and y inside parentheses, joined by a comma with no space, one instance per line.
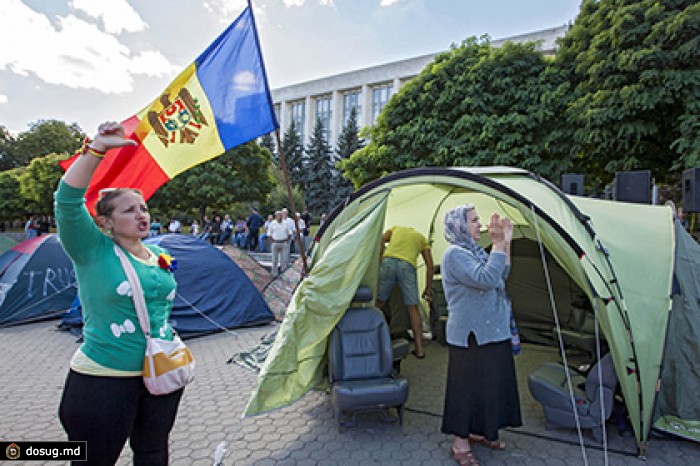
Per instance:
(457,231)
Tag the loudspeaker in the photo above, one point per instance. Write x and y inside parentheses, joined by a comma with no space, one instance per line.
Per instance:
(572,183)
(633,186)
(691,190)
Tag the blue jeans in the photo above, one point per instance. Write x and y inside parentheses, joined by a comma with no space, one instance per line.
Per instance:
(240,239)
(224,236)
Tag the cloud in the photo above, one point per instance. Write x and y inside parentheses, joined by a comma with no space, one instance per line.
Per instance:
(388,2)
(117,15)
(226,10)
(71,52)
(3,99)
(291,3)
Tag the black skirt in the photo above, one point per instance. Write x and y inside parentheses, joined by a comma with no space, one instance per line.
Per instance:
(481,396)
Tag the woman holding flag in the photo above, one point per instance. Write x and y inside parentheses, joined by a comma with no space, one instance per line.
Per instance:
(104,400)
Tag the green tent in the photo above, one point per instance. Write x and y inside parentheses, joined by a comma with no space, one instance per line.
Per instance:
(621,256)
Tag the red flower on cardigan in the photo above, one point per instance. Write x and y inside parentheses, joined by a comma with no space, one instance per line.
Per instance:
(166,262)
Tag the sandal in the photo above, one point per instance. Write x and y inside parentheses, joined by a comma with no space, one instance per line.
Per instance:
(492,444)
(419,356)
(465,458)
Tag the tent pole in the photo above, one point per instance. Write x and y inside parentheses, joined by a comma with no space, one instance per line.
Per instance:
(290,198)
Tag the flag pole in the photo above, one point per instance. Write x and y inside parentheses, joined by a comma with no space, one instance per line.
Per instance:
(283,162)
(290,198)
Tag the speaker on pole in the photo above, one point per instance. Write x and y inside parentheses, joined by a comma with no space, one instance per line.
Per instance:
(633,186)
(572,183)
(691,190)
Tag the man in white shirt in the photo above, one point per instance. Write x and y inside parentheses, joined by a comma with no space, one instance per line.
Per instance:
(292,231)
(175,226)
(279,235)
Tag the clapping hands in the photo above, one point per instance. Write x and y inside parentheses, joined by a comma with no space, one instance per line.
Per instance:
(500,231)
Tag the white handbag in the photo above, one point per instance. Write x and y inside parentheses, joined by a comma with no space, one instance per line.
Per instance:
(168,365)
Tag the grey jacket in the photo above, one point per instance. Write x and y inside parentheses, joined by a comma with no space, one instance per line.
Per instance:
(475,294)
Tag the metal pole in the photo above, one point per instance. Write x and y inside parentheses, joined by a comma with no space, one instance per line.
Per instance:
(290,198)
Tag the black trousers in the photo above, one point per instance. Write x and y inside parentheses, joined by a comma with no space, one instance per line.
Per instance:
(253,240)
(105,411)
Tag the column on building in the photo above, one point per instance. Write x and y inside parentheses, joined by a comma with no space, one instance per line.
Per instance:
(366,105)
(336,117)
(310,118)
(284,116)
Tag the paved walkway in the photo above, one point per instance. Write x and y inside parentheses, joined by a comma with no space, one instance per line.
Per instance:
(35,360)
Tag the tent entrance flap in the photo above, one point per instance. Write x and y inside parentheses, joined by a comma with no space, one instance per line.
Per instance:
(298,356)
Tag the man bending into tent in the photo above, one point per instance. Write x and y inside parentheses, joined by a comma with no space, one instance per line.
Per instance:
(398,267)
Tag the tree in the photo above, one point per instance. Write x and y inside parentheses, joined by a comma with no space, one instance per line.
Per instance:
(279,197)
(12,206)
(240,174)
(293,149)
(7,148)
(474,105)
(268,143)
(348,143)
(318,178)
(631,87)
(43,137)
(38,182)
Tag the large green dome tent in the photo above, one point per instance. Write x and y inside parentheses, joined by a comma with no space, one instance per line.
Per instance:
(620,255)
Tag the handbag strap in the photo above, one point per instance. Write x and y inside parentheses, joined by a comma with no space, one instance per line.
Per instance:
(136,291)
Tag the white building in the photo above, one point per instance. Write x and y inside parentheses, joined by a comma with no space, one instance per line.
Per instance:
(368,90)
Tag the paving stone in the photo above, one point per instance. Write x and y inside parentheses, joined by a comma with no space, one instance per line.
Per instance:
(306,432)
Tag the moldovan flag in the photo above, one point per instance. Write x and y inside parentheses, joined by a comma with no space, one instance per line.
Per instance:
(220,101)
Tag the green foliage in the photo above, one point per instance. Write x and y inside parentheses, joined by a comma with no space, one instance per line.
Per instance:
(12,205)
(268,142)
(279,196)
(632,87)
(43,137)
(38,182)
(239,175)
(7,147)
(348,143)
(318,179)
(293,150)
(474,105)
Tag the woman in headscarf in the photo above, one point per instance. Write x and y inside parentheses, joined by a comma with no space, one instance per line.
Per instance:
(482,392)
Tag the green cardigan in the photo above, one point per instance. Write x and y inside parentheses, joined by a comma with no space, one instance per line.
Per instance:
(111,332)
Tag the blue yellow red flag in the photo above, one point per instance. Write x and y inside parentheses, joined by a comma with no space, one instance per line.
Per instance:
(218,102)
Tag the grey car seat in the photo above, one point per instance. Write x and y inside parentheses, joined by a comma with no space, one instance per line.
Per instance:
(548,385)
(360,363)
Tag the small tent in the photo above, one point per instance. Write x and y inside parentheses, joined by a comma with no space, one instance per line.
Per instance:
(6,243)
(619,256)
(36,281)
(213,293)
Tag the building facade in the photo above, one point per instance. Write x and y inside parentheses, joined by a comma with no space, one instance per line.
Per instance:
(367,90)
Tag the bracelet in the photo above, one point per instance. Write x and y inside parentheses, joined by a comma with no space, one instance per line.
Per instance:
(86,149)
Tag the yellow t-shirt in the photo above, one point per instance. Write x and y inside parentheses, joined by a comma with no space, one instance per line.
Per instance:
(406,243)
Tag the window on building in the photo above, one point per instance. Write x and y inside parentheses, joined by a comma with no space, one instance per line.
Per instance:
(324,112)
(380,97)
(352,100)
(298,114)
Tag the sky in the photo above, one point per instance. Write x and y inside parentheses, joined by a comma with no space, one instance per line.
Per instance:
(87,61)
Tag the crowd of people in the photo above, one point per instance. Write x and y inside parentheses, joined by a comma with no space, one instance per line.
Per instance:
(253,233)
